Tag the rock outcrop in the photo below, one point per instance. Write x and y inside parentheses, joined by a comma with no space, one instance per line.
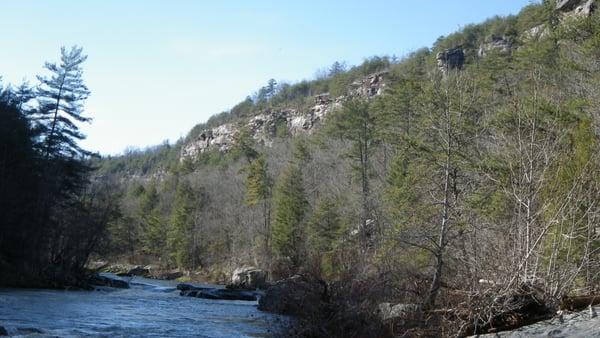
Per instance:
(219,138)
(536,33)
(248,278)
(300,294)
(575,8)
(498,44)
(449,59)
(264,127)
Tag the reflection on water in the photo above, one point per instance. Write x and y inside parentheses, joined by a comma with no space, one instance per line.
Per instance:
(150,308)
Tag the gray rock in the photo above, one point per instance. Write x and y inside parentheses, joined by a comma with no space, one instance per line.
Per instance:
(188,290)
(453,58)
(300,294)
(572,325)
(536,33)
(498,44)
(566,5)
(100,280)
(263,127)
(249,278)
(575,8)
(3,331)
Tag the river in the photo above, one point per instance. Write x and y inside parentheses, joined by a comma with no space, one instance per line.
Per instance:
(150,308)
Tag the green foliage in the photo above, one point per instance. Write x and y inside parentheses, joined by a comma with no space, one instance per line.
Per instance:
(52,218)
(289,211)
(243,145)
(258,183)
(324,233)
(179,239)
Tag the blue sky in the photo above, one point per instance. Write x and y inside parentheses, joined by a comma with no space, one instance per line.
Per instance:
(156,68)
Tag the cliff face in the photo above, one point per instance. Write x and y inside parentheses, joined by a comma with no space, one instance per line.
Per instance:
(575,7)
(266,125)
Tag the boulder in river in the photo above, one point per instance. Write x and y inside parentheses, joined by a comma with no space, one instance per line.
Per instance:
(188,290)
(248,278)
(101,280)
(296,295)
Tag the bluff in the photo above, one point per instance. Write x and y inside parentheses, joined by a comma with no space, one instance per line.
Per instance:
(264,126)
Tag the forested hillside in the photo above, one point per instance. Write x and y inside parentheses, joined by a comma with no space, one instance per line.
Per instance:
(471,171)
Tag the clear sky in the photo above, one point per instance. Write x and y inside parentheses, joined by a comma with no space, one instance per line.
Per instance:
(157,68)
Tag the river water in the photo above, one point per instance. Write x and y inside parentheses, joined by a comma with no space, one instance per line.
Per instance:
(150,308)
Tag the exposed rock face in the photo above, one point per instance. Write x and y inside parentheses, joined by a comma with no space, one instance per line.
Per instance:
(219,138)
(453,58)
(249,278)
(571,8)
(497,44)
(296,295)
(369,86)
(536,33)
(266,126)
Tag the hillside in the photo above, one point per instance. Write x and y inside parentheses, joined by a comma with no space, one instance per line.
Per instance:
(456,186)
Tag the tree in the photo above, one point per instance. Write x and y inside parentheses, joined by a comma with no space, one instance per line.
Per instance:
(356,123)
(289,210)
(337,68)
(324,229)
(428,181)
(152,222)
(258,192)
(60,98)
(180,234)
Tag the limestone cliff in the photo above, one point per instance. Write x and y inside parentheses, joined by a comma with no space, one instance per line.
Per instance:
(264,126)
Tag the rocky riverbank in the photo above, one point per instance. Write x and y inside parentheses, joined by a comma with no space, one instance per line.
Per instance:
(583,324)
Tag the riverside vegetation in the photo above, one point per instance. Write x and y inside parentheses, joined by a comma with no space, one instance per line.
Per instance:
(453,192)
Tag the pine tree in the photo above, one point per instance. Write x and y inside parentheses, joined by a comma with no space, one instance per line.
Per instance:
(289,210)
(180,234)
(61,97)
(356,123)
(258,192)
(324,230)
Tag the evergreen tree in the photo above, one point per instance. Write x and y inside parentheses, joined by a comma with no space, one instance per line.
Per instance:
(60,98)
(180,234)
(289,210)
(356,123)
(324,230)
(258,192)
